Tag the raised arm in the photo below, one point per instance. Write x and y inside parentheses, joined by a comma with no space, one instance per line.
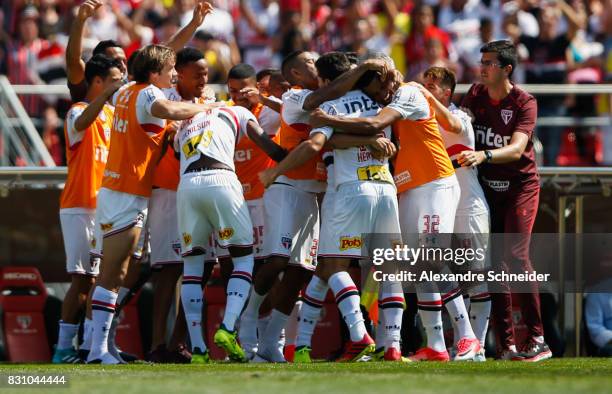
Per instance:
(175,110)
(75,66)
(344,83)
(444,117)
(263,141)
(182,37)
(90,113)
(362,126)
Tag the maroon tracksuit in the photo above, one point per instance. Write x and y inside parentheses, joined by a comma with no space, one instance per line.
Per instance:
(512,191)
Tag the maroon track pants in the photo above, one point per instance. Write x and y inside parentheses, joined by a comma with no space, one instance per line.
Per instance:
(514,213)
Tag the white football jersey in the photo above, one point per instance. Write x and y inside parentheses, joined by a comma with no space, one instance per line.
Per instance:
(213,133)
(472,197)
(357,163)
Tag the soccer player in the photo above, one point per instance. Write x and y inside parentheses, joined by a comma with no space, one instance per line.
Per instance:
(359,190)
(249,161)
(291,207)
(166,261)
(426,183)
(87,133)
(140,117)
(472,219)
(504,120)
(210,199)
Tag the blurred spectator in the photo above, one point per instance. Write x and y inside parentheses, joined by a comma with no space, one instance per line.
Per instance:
(598,316)
(23,58)
(434,57)
(422,30)
(103,25)
(256,27)
(217,54)
(547,64)
(461,19)
(471,59)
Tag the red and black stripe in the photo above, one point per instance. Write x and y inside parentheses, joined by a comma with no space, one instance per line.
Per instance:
(246,276)
(345,293)
(482,297)
(102,306)
(192,280)
(312,302)
(433,306)
(391,302)
(451,295)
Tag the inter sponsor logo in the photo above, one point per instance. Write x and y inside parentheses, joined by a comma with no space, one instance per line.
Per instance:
(350,243)
(226,233)
(243,155)
(486,136)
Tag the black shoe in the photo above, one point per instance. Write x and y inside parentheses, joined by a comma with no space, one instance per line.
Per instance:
(83,353)
(127,357)
(536,351)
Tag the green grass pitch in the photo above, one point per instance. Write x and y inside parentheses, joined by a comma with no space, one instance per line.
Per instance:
(552,376)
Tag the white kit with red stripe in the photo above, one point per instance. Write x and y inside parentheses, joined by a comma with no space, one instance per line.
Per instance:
(214,134)
(472,201)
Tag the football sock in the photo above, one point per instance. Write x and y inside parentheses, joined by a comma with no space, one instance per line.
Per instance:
(392,308)
(67,332)
(310,313)
(453,301)
(103,309)
(430,312)
(291,329)
(347,298)
(192,298)
(112,334)
(87,330)
(277,323)
(480,310)
(238,289)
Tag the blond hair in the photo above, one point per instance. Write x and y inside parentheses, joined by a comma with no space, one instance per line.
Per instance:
(151,59)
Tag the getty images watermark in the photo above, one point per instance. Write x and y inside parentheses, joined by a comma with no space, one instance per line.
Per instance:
(438,264)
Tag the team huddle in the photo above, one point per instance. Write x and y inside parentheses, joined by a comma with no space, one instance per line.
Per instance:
(157,164)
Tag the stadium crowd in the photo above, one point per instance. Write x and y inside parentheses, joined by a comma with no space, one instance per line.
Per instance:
(558,41)
(316,89)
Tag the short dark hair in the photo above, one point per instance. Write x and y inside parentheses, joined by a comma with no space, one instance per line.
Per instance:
(203,35)
(266,72)
(289,63)
(186,56)
(445,76)
(99,66)
(277,76)
(506,53)
(104,45)
(241,71)
(331,65)
(352,57)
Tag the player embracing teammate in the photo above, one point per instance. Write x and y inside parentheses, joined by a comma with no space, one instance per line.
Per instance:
(504,118)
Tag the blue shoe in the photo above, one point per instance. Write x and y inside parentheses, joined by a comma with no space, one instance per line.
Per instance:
(66,356)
